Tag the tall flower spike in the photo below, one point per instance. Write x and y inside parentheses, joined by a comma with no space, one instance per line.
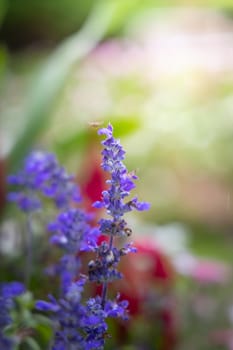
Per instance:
(41,176)
(121,182)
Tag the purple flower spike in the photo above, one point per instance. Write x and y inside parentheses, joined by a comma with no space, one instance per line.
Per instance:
(120,184)
(104,268)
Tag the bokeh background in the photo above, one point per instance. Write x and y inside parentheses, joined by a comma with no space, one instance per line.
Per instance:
(162,73)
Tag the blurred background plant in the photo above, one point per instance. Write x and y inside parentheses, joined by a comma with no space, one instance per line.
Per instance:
(162,73)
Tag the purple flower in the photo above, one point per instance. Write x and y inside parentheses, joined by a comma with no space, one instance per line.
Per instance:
(72,231)
(11,289)
(47,306)
(42,176)
(117,308)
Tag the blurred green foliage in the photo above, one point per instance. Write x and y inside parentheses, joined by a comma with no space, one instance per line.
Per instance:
(31,330)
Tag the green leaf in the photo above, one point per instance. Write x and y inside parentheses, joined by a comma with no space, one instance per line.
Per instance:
(125,125)
(42,319)
(33,345)
(77,141)
(26,300)
(44,333)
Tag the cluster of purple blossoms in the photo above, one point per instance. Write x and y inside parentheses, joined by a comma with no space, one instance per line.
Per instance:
(42,176)
(8,291)
(78,323)
(73,234)
(121,182)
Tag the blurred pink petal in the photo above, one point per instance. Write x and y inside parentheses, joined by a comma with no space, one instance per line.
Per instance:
(223,337)
(207,271)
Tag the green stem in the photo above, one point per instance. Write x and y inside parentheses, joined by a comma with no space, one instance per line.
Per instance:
(105,284)
(29,253)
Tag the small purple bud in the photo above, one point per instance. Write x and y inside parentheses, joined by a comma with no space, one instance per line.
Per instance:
(47,306)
